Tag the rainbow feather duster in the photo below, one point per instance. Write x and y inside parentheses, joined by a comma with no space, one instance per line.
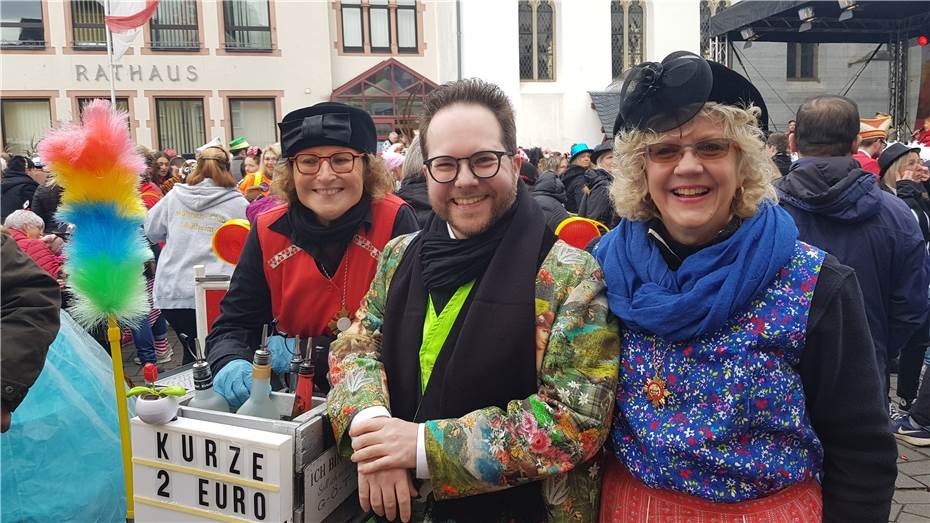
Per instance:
(97,165)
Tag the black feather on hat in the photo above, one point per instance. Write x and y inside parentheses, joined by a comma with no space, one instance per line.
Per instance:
(662,96)
(328,123)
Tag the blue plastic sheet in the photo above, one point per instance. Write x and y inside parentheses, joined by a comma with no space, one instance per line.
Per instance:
(61,457)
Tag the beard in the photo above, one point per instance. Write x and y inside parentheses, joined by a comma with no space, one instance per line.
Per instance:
(502,202)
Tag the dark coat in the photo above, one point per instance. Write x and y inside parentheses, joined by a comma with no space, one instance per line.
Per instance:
(596,204)
(550,195)
(838,207)
(29,320)
(16,191)
(413,191)
(783,162)
(575,181)
(914,195)
(45,203)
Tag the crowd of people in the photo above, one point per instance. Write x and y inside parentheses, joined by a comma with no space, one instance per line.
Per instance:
(725,350)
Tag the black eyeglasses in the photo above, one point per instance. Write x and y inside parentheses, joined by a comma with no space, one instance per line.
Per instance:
(483,164)
(712,149)
(340,163)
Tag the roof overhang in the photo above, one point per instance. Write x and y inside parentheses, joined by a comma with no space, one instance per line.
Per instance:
(873,21)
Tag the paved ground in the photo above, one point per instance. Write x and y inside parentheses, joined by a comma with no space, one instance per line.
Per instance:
(912,488)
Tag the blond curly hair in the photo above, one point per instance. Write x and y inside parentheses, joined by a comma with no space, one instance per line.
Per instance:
(377,179)
(755,170)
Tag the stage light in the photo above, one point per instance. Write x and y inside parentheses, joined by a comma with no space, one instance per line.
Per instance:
(806,14)
(922,40)
(748,33)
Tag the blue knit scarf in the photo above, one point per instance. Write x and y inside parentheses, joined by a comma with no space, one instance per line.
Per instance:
(708,288)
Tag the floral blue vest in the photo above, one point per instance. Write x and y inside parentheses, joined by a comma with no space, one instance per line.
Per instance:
(735,426)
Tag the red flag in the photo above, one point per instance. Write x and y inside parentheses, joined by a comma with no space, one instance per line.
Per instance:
(130,22)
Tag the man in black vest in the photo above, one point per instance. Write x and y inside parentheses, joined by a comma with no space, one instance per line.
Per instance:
(480,369)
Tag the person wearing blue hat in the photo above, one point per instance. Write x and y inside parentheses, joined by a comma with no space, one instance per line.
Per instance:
(574,178)
(747,386)
(307,263)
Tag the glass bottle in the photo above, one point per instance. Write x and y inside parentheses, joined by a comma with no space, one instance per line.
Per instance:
(259,403)
(303,397)
(204,396)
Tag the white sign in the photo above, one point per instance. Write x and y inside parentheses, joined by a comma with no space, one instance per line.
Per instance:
(191,470)
(328,481)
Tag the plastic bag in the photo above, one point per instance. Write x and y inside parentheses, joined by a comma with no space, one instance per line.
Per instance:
(61,458)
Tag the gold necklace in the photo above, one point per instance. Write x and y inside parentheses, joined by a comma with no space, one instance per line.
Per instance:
(655,389)
(341,321)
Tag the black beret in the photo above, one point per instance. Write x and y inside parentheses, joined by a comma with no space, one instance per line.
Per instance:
(606,147)
(891,154)
(328,123)
(662,96)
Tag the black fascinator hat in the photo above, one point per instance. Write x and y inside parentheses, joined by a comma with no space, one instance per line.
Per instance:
(662,96)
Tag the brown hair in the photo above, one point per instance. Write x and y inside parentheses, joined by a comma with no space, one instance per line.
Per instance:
(212,163)
(471,91)
(827,126)
(550,163)
(377,180)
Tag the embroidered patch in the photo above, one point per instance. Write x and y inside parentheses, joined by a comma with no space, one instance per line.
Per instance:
(367,245)
(279,258)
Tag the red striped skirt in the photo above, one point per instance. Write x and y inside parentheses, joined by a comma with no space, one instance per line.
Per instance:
(625,499)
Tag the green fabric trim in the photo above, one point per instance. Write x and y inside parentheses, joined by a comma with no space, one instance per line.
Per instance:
(436,329)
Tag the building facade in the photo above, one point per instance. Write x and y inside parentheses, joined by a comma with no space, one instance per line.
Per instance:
(224,68)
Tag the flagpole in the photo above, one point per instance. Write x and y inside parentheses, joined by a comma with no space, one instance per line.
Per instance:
(106,11)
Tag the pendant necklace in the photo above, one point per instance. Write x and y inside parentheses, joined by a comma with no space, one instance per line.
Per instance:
(655,390)
(341,322)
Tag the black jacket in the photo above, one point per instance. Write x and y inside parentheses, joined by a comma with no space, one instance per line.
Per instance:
(596,204)
(413,191)
(45,203)
(575,181)
(246,308)
(840,208)
(914,195)
(16,191)
(783,162)
(550,195)
(29,320)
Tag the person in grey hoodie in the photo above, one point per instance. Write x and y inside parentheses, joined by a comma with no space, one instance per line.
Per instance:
(185,219)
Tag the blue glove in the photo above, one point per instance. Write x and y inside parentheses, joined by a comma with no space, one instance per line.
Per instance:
(282,352)
(234,383)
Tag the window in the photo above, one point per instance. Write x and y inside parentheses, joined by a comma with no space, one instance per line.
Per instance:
(627,20)
(87,27)
(406,21)
(174,26)
(802,61)
(248,25)
(536,22)
(24,123)
(180,124)
(379,26)
(121,103)
(21,25)
(392,93)
(709,9)
(254,119)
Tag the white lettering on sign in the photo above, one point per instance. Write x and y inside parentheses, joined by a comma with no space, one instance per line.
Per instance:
(154,73)
(192,470)
(328,481)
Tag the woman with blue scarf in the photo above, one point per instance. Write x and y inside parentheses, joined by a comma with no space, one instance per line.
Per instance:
(748,386)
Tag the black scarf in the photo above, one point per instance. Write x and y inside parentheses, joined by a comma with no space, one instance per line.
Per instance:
(488,358)
(326,243)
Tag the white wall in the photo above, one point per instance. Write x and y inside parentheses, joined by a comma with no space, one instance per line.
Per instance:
(672,25)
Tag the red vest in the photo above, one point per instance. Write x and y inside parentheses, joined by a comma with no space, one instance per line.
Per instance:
(867,162)
(303,300)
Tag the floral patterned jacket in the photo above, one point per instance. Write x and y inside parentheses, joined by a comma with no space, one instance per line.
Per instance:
(550,436)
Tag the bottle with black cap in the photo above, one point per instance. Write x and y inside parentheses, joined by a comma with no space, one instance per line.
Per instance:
(259,403)
(204,396)
(303,394)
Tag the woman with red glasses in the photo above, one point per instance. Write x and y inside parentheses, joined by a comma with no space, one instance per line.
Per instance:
(307,263)
(748,389)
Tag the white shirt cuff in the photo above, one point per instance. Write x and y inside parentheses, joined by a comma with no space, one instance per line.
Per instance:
(422,465)
(368,413)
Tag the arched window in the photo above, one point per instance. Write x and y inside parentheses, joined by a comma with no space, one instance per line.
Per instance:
(617,38)
(536,19)
(627,29)
(709,8)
